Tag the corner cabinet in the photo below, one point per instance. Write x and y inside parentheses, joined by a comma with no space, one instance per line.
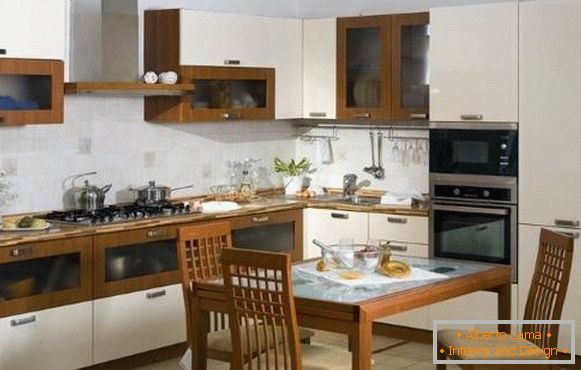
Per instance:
(241,55)
(474,63)
(382,67)
(31,91)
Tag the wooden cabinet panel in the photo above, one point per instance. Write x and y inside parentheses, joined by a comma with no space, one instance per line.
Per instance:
(474,63)
(330,226)
(398,228)
(57,338)
(319,68)
(550,96)
(138,322)
(32,29)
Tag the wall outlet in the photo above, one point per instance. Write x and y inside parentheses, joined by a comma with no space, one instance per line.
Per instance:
(85,145)
(149,160)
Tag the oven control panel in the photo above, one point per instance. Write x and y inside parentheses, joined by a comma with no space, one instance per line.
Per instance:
(473,192)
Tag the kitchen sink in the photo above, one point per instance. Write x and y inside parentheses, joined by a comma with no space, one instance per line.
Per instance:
(362,201)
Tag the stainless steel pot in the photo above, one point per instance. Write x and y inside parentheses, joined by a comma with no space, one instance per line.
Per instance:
(89,197)
(155,194)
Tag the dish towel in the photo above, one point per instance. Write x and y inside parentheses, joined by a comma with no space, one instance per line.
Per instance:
(324,151)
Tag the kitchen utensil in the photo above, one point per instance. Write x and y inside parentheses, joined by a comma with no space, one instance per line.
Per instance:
(214,206)
(371,169)
(379,171)
(155,194)
(357,257)
(88,197)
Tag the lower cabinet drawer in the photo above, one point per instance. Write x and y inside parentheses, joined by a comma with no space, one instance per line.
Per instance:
(55,338)
(409,249)
(398,228)
(137,322)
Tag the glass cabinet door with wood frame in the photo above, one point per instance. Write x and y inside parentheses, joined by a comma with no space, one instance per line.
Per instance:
(31,91)
(410,77)
(223,93)
(363,65)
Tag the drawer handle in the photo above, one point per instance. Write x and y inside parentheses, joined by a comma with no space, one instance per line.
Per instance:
(259,220)
(154,295)
(232,116)
(418,115)
(472,117)
(2,51)
(572,235)
(317,114)
(397,220)
(232,62)
(399,248)
(24,251)
(156,234)
(23,321)
(343,216)
(570,223)
(362,115)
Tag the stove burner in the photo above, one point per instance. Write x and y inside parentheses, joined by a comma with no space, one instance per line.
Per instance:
(119,213)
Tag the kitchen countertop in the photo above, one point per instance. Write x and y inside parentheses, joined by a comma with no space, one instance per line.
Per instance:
(265,204)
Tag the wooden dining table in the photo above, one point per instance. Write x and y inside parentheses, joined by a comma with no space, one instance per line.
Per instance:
(326,304)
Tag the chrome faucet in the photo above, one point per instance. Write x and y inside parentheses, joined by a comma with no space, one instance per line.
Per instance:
(350,185)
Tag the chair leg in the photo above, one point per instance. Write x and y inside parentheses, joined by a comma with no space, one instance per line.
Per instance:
(441,356)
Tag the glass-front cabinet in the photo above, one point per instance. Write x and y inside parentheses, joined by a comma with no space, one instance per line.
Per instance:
(42,275)
(31,91)
(382,67)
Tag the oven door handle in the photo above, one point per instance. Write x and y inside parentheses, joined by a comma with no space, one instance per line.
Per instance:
(487,211)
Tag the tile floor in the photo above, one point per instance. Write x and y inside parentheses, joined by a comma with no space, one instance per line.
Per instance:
(389,353)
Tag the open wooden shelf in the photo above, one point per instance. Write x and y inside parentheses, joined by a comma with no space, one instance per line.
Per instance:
(127,88)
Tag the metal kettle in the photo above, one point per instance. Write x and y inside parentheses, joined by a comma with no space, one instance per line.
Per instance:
(89,197)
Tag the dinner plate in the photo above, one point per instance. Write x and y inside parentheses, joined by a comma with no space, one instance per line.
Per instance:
(24,229)
(219,206)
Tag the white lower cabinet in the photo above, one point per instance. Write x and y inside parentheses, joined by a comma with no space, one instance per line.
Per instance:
(528,247)
(137,322)
(330,226)
(409,229)
(56,338)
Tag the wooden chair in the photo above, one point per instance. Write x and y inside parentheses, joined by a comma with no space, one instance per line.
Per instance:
(262,312)
(199,251)
(544,302)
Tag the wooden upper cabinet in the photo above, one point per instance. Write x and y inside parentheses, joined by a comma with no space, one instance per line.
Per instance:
(474,63)
(31,91)
(235,59)
(363,67)
(382,67)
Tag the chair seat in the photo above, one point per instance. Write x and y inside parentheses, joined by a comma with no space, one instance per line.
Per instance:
(525,350)
(314,357)
(221,340)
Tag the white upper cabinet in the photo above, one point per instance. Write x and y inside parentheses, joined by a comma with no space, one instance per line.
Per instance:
(32,29)
(319,68)
(550,113)
(212,39)
(474,63)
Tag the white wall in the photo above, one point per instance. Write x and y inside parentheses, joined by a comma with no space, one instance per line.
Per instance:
(352,152)
(108,134)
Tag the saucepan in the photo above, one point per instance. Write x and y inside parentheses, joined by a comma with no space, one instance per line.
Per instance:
(153,194)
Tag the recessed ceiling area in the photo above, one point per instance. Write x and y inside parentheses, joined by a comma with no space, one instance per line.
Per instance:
(309,8)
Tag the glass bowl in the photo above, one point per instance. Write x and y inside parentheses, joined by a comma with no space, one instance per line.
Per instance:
(358,257)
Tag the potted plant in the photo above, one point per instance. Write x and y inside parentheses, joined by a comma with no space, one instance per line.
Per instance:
(293,173)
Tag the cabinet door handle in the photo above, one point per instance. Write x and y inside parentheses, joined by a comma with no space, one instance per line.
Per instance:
(572,235)
(472,117)
(23,321)
(362,115)
(154,295)
(399,248)
(397,220)
(570,223)
(156,234)
(261,219)
(418,115)
(232,116)
(343,216)
(232,62)
(2,51)
(317,114)
(24,251)
(1,119)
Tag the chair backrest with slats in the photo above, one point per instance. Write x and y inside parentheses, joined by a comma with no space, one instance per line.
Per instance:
(549,286)
(199,251)
(262,311)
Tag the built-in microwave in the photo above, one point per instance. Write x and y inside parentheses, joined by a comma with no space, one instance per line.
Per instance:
(489,149)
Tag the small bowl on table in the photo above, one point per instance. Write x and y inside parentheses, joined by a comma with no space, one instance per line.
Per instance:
(362,258)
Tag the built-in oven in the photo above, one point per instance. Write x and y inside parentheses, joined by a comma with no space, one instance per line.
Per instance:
(471,219)
(489,149)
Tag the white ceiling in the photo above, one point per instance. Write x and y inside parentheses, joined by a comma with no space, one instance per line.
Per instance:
(308,8)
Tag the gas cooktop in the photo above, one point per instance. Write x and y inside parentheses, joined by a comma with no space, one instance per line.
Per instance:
(118,213)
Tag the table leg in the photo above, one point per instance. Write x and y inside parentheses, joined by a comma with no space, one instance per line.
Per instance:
(201,327)
(361,346)
(504,305)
